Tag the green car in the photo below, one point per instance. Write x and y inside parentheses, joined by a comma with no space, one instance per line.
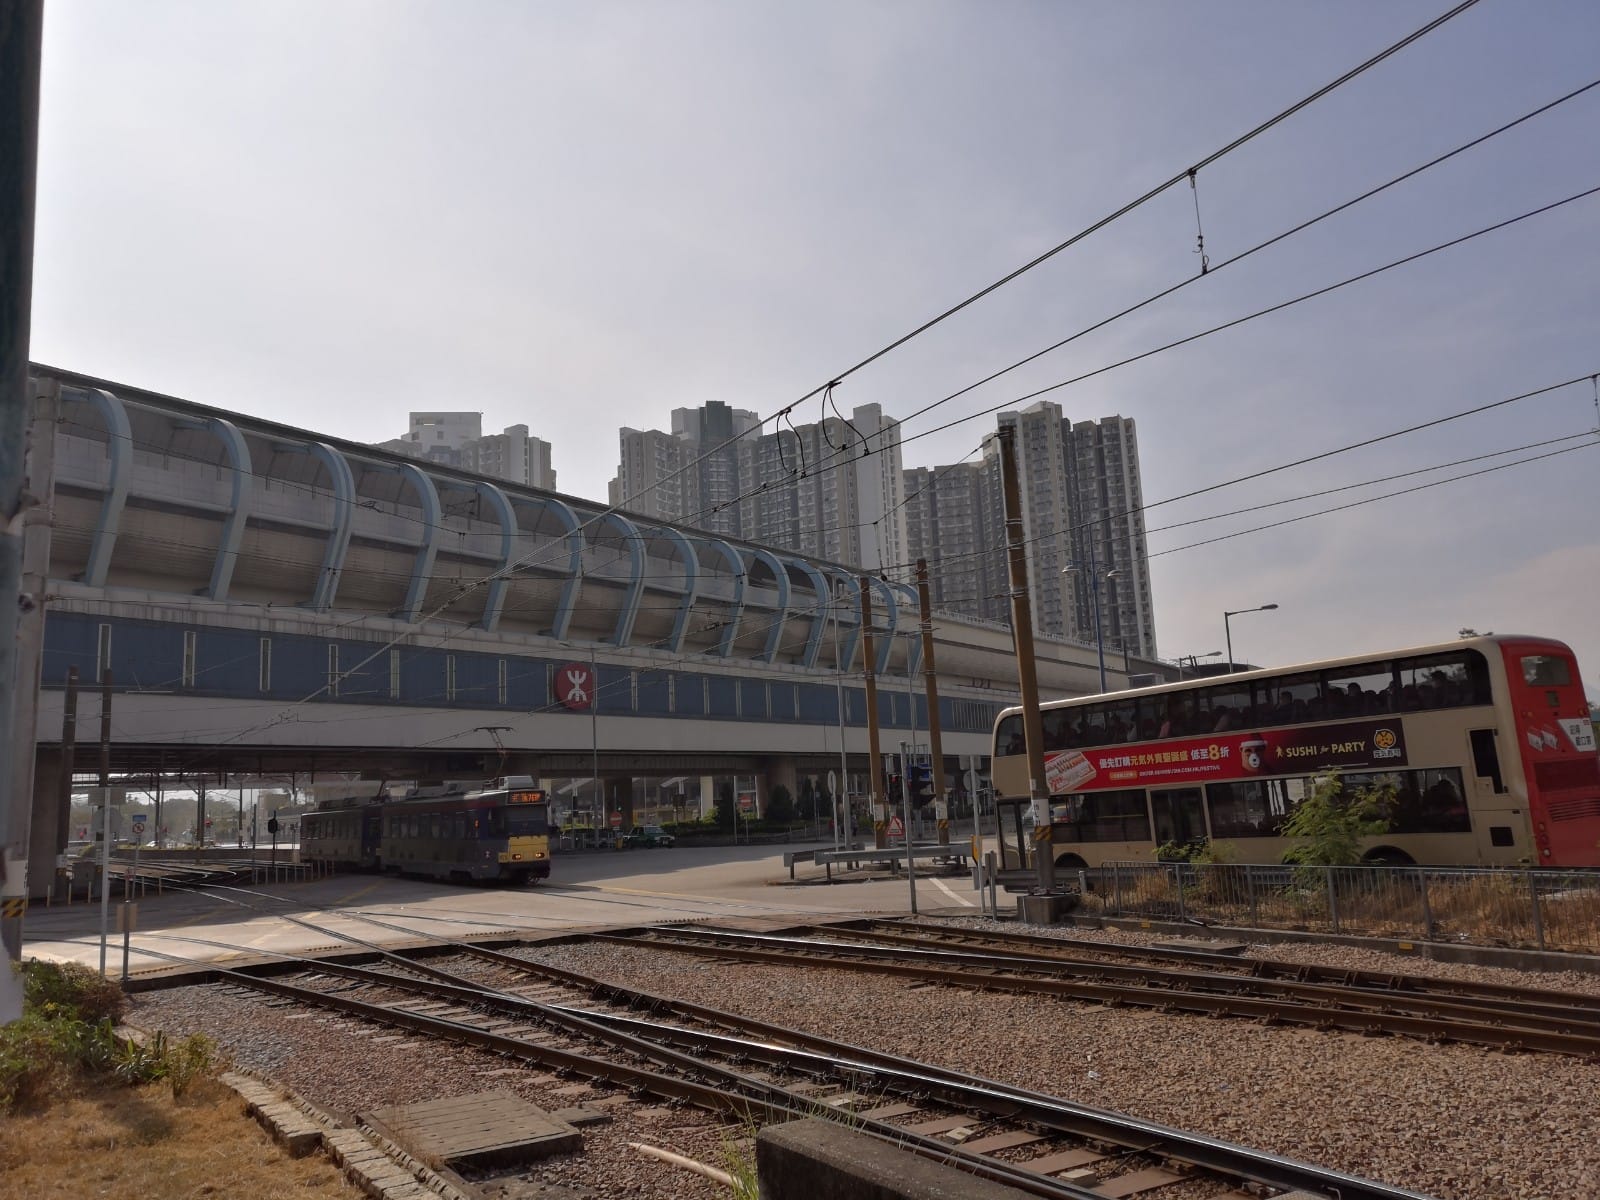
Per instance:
(649,835)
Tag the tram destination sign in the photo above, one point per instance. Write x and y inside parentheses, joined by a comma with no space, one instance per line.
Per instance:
(1369,745)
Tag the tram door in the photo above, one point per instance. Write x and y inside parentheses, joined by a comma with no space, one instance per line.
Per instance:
(1180,816)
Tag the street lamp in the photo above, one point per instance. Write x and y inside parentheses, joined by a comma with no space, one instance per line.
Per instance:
(1194,661)
(1094,578)
(1228,633)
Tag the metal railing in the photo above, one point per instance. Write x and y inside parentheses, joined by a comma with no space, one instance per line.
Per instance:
(1546,909)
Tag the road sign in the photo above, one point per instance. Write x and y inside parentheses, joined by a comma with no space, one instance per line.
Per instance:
(138,825)
(616,820)
(896,829)
(575,686)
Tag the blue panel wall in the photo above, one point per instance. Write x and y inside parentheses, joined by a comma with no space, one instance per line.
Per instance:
(722,696)
(69,641)
(819,704)
(228,662)
(655,694)
(148,655)
(616,689)
(362,682)
(690,695)
(299,667)
(477,681)
(753,699)
(782,701)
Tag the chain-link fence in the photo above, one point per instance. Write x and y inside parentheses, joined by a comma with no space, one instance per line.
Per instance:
(1556,910)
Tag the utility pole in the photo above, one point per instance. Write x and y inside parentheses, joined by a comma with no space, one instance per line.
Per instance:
(21,38)
(1027,675)
(906,749)
(69,754)
(941,798)
(105,812)
(841,828)
(880,801)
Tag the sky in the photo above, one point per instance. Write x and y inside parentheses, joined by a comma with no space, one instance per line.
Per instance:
(581,216)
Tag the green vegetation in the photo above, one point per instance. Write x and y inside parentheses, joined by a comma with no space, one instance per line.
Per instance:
(1201,851)
(780,806)
(1328,825)
(67,1033)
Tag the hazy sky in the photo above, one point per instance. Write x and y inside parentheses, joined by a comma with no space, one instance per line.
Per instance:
(582,215)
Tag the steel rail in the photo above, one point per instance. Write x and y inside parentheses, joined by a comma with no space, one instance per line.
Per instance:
(1010,978)
(825,1058)
(1537,1015)
(1165,979)
(1533,998)
(751,1097)
(1081,1120)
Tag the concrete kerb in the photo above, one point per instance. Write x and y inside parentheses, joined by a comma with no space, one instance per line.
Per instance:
(802,1160)
(380,1168)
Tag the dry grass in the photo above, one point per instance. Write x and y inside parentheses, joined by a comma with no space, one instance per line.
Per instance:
(116,1143)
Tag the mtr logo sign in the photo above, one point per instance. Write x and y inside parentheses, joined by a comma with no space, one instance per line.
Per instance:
(575,686)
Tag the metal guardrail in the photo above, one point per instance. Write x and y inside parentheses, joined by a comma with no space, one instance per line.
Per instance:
(956,851)
(1544,908)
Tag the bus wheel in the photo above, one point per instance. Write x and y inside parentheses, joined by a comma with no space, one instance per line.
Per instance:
(1388,856)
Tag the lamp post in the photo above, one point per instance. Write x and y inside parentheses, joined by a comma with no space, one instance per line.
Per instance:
(1227,633)
(1094,579)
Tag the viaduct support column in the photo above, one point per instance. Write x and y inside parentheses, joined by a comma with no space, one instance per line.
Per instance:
(43,844)
(780,770)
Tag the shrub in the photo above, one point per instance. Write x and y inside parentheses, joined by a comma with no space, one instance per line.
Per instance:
(67,1029)
(56,989)
(1329,826)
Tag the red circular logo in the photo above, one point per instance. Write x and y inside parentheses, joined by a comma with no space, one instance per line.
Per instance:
(575,685)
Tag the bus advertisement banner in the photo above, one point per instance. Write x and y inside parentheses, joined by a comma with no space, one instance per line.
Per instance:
(1368,745)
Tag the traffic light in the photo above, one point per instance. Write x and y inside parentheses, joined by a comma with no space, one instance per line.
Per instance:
(921,784)
(891,787)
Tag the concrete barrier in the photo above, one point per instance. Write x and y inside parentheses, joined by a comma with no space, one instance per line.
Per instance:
(821,1160)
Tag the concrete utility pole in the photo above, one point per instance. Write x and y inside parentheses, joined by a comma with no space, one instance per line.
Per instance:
(105,812)
(880,799)
(69,755)
(1027,674)
(21,34)
(941,797)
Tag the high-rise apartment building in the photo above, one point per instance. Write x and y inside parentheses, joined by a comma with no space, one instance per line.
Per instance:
(456,439)
(1081,515)
(1103,473)
(831,489)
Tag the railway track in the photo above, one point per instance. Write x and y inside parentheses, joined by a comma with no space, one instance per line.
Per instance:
(1506,996)
(684,1052)
(1501,1022)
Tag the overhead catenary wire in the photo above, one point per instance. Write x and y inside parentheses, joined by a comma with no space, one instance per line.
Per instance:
(1138,202)
(1300,227)
(1177,178)
(1277,468)
(1183,175)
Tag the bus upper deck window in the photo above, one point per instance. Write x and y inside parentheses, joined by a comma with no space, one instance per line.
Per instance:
(1545,670)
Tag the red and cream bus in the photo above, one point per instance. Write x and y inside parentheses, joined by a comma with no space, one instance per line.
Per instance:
(1486,741)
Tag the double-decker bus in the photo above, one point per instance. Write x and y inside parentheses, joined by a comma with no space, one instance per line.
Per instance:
(1486,742)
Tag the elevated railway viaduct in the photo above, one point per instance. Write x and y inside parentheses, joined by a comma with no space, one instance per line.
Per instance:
(268,600)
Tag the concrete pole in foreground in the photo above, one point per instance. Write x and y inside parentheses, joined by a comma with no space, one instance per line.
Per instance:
(21,36)
(941,795)
(880,799)
(1027,675)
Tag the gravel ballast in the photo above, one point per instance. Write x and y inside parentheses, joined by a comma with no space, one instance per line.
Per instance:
(1456,1122)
